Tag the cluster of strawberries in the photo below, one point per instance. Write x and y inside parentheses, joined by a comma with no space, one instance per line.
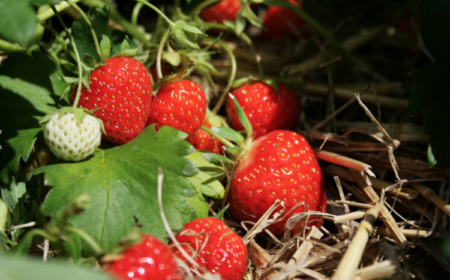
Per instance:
(275,164)
(121,90)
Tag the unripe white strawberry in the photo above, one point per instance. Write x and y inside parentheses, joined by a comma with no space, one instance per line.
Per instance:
(69,139)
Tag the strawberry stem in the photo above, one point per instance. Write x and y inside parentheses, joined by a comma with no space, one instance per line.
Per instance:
(243,36)
(46,13)
(158,57)
(220,138)
(10,47)
(169,22)
(117,18)
(203,5)
(89,23)
(87,238)
(136,10)
(75,49)
(25,244)
(232,75)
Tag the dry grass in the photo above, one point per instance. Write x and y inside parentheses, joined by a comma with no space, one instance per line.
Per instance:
(384,212)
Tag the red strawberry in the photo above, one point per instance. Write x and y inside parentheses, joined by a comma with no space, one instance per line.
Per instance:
(281,22)
(206,142)
(123,91)
(181,105)
(150,259)
(224,10)
(280,165)
(225,252)
(265,109)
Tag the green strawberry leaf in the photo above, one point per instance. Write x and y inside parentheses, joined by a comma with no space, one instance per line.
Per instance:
(73,247)
(89,60)
(184,36)
(17,21)
(122,186)
(218,160)
(5,219)
(173,59)
(247,13)
(206,184)
(105,47)
(82,33)
(230,134)
(13,268)
(222,212)
(205,181)
(242,117)
(29,89)
(431,96)
(13,194)
(117,38)
(72,68)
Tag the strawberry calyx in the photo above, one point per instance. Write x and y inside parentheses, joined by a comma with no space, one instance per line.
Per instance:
(173,78)
(228,135)
(132,238)
(79,114)
(182,36)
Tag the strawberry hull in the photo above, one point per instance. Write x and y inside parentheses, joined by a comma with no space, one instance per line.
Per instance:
(280,165)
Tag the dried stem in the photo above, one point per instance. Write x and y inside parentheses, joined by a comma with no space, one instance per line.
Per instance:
(352,257)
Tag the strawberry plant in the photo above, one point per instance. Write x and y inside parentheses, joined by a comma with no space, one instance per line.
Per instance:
(198,139)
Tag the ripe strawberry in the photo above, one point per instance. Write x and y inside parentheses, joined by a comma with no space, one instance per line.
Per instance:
(123,91)
(69,139)
(281,22)
(265,109)
(181,105)
(280,165)
(224,10)
(206,142)
(150,259)
(224,253)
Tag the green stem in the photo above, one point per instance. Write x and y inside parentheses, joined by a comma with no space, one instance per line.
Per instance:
(136,10)
(210,25)
(169,22)
(75,49)
(220,138)
(203,6)
(10,47)
(87,238)
(232,75)
(25,244)
(57,35)
(158,57)
(47,13)
(127,26)
(89,23)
